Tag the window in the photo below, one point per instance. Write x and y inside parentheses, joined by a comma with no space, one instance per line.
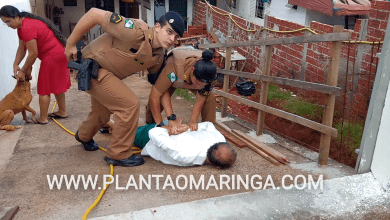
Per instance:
(350,21)
(259,8)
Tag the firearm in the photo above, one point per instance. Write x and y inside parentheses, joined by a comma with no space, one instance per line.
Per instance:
(87,69)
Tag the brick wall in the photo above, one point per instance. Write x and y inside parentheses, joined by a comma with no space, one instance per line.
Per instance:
(287,59)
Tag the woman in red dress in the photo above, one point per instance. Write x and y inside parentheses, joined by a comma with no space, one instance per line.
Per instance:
(44,41)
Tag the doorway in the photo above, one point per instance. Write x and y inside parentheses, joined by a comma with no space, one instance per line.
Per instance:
(129,9)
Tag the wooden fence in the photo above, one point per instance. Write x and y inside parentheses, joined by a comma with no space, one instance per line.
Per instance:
(331,89)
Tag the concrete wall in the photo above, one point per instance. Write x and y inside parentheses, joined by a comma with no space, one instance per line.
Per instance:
(380,163)
(322,18)
(278,9)
(9,43)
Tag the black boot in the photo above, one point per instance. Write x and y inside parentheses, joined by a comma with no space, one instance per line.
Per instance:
(131,161)
(88,146)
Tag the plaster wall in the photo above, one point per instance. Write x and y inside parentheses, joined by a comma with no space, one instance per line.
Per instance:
(9,43)
(279,10)
(190,4)
(71,14)
(150,14)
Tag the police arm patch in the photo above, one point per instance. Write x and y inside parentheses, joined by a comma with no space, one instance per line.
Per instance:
(172,77)
(115,18)
(129,24)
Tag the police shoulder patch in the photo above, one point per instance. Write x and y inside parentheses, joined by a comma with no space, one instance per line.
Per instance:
(115,18)
(129,24)
(172,77)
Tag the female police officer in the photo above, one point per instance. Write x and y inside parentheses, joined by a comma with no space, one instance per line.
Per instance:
(126,47)
(188,69)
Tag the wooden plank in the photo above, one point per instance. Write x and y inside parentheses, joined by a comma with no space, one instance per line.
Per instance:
(264,91)
(226,77)
(261,153)
(10,214)
(215,37)
(231,137)
(333,75)
(246,143)
(286,40)
(294,118)
(284,81)
(266,149)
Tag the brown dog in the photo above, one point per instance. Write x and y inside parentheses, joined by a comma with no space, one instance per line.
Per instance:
(16,101)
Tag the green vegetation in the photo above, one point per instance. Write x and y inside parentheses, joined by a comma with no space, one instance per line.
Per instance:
(355,130)
(302,108)
(186,94)
(275,92)
(295,105)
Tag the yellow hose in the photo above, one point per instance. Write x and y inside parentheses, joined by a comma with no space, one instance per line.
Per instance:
(136,150)
(100,195)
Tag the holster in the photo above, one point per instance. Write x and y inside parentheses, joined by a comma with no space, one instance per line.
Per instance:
(87,69)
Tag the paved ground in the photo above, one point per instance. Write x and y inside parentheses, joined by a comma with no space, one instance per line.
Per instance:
(35,151)
(357,197)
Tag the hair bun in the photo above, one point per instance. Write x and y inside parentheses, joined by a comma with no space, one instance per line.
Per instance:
(207,55)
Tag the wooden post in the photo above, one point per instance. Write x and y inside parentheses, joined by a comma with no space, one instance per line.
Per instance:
(303,61)
(226,77)
(264,90)
(330,99)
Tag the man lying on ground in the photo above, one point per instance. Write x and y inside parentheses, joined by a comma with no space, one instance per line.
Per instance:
(204,146)
(181,147)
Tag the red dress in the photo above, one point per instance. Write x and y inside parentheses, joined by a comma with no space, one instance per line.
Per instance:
(53,76)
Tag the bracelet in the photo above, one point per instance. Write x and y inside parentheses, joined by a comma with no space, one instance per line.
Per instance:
(24,71)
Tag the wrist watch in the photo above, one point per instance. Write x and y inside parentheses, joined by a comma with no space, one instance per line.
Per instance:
(172,117)
(161,124)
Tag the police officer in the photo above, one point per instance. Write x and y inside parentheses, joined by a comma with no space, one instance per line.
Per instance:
(126,47)
(188,69)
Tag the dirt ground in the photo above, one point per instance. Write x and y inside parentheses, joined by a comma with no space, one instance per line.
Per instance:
(49,150)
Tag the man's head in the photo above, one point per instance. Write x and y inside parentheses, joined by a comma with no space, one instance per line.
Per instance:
(221,155)
(168,29)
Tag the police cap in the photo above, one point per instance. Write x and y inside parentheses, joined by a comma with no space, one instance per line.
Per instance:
(176,22)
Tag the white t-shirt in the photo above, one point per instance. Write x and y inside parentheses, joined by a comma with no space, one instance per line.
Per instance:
(186,149)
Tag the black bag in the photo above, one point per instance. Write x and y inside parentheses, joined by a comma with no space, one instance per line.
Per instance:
(245,88)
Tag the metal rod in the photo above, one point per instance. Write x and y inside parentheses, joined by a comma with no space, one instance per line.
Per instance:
(350,100)
(345,98)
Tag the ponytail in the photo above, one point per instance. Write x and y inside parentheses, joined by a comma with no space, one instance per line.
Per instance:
(12,12)
(205,70)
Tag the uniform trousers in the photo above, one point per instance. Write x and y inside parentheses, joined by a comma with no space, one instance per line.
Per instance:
(208,112)
(110,95)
